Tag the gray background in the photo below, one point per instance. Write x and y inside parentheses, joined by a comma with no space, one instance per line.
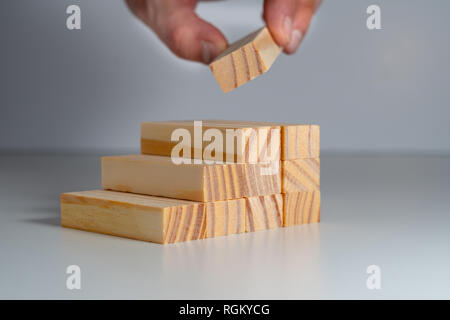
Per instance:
(381,98)
(88,90)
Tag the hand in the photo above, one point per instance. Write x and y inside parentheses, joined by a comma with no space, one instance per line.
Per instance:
(190,37)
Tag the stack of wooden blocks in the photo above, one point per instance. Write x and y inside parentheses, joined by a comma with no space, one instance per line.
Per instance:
(154,196)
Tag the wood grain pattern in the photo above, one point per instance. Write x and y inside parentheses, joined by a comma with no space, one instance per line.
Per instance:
(301,208)
(264,212)
(225,217)
(159,176)
(300,141)
(245,59)
(251,143)
(300,175)
(134,216)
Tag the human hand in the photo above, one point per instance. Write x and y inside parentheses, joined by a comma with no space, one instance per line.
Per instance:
(190,37)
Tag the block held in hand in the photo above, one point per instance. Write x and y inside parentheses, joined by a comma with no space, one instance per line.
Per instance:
(245,59)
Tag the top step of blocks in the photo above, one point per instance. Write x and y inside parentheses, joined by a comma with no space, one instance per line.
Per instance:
(212,140)
(249,141)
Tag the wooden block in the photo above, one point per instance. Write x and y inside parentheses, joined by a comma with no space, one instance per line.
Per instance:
(300,175)
(300,141)
(301,208)
(245,59)
(264,212)
(297,140)
(133,216)
(225,217)
(159,176)
(246,142)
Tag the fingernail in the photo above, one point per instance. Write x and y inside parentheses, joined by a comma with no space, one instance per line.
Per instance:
(296,38)
(208,51)
(288,28)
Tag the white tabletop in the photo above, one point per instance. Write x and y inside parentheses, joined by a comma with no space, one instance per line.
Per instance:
(389,211)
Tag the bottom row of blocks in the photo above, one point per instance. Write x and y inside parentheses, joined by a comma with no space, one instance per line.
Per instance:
(165,220)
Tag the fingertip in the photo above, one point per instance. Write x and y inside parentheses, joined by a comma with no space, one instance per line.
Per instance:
(300,27)
(212,46)
(280,28)
(278,17)
(209,51)
(212,40)
(294,43)
(195,39)
(221,45)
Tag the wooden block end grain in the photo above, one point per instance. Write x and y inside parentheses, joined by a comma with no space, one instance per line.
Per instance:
(300,175)
(245,59)
(301,208)
(264,212)
(300,141)
(133,216)
(225,217)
